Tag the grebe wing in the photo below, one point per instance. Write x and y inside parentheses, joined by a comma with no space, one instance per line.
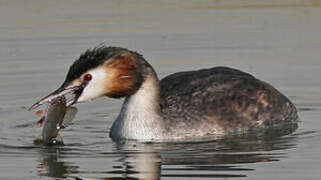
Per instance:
(229,98)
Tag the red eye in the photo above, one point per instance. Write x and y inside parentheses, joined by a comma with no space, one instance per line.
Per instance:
(87,77)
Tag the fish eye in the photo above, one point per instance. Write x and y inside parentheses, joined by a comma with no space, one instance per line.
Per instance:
(87,77)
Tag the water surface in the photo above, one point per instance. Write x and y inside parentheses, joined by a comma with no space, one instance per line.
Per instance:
(277,41)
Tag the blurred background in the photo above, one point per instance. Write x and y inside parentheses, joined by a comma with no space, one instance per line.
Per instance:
(277,41)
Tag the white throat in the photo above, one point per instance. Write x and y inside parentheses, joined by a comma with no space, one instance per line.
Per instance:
(139,117)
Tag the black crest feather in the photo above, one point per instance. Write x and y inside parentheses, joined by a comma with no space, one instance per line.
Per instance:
(91,59)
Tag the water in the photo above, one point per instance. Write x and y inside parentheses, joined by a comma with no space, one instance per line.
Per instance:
(277,41)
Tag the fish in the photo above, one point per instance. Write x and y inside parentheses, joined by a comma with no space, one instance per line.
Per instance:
(57,116)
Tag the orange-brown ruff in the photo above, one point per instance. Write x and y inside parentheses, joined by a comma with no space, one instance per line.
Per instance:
(124,79)
(215,101)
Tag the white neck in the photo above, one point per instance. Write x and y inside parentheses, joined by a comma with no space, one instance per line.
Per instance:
(140,114)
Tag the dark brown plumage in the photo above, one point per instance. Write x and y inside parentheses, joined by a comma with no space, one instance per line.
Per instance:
(230,99)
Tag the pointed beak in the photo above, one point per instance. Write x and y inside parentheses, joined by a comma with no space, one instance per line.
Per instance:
(74,93)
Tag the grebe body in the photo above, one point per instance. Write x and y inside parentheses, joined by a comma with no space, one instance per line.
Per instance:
(221,101)
(215,101)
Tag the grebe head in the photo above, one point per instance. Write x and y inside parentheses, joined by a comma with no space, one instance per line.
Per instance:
(102,71)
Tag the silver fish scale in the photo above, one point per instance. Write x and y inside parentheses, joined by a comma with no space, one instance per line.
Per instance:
(54,117)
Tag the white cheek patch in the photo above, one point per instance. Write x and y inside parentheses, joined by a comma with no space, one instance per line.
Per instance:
(96,87)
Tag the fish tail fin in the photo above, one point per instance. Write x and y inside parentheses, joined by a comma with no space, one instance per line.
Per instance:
(69,115)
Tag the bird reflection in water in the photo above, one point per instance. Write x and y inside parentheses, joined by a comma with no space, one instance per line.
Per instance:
(221,158)
(50,164)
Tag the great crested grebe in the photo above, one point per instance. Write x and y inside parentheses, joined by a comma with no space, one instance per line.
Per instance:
(215,101)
